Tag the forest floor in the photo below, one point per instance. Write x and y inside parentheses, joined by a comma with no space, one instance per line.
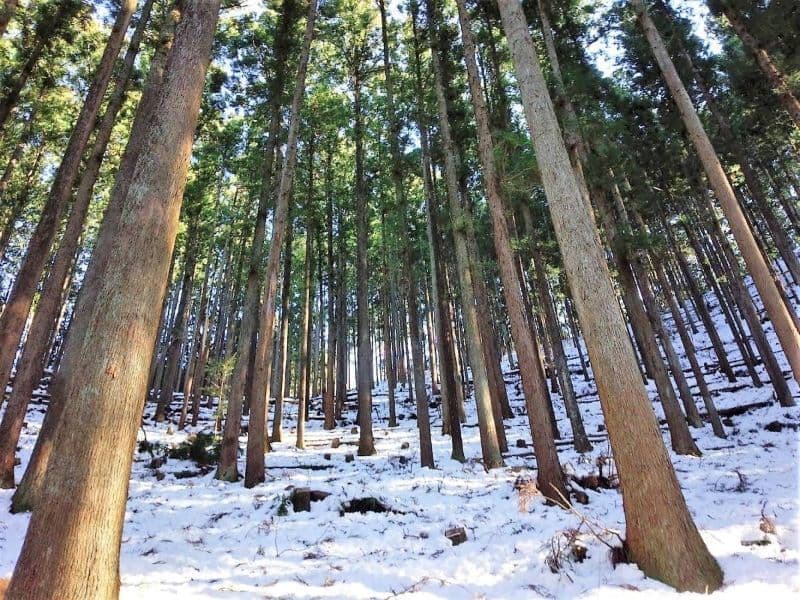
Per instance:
(188,535)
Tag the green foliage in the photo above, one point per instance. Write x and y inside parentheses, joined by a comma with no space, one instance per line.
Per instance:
(202,448)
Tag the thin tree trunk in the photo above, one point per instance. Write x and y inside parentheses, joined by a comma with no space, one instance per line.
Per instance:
(282,373)
(308,284)
(777,311)
(255,443)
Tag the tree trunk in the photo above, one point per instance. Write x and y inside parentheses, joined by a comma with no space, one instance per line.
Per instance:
(255,443)
(549,477)
(777,80)
(490,448)
(281,365)
(305,326)
(228,469)
(776,309)
(15,314)
(661,536)
(72,545)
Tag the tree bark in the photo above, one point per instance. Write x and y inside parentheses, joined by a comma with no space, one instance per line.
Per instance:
(15,314)
(549,477)
(777,311)
(777,80)
(490,448)
(228,469)
(661,536)
(254,472)
(72,545)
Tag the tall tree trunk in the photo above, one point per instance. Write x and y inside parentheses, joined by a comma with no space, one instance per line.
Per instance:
(328,400)
(661,536)
(229,452)
(31,364)
(777,311)
(366,444)
(450,383)
(254,472)
(72,545)
(549,476)
(281,364)
(777,80)
(305,326)
(490,448)
(15,314)
(409,274)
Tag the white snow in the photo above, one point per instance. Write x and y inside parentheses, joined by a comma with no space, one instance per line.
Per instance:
(201,538)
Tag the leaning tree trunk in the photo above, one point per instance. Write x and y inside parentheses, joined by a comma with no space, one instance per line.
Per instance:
(777,80)
(661,536)
(15,314)
(71,549)
(31,363)
(777,311)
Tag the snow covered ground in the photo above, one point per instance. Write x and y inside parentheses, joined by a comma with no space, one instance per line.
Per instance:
(196,537)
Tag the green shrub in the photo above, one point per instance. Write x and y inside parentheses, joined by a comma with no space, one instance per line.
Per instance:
(203,448)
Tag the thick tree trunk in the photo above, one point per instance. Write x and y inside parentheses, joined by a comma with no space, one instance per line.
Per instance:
(72,545)
(661,536)
(15,314)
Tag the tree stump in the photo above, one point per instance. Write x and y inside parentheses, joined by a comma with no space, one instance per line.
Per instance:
(456,535)
(301,499)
